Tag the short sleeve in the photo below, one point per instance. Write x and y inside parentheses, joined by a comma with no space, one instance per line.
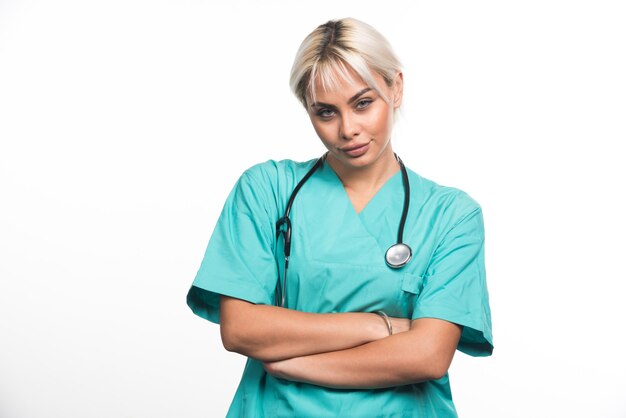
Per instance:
(239,259)
(455,287)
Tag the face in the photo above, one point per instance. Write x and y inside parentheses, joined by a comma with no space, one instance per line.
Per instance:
(354,122)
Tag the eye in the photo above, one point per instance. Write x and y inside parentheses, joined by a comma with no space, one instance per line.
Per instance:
(325,113)
(363,103)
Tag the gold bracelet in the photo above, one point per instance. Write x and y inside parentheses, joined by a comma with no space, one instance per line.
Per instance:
(385,318)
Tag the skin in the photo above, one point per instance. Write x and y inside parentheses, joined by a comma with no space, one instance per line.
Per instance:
(355,115)
(345,350)
(272,333)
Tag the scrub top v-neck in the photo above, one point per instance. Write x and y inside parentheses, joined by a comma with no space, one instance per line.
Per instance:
(337,264)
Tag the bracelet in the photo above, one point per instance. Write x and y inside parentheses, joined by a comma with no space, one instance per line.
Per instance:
(385,318)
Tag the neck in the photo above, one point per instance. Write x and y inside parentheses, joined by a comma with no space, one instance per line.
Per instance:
(367,178)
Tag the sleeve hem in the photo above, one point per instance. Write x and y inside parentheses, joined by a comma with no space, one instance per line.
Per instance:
(205,301)
(476,339)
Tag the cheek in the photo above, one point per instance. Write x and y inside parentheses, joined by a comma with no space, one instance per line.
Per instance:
(381,121)
(324,131)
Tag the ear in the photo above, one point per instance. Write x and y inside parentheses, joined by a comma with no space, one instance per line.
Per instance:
(397,86)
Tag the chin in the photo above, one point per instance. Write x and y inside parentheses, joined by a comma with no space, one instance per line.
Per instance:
(358,162)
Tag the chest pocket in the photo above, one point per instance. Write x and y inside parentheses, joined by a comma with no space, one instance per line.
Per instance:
(322,287)
(412,283)
(411,288)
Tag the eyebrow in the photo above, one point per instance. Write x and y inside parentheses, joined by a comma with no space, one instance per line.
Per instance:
(356,96)
(350,100)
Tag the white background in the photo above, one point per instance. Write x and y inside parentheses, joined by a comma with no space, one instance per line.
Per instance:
(124,124)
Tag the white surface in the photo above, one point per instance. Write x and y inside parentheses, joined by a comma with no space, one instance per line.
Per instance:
(124,124)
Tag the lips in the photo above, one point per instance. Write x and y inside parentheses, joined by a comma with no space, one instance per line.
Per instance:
(356,150)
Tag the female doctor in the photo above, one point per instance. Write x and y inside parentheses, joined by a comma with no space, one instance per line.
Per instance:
(349,281)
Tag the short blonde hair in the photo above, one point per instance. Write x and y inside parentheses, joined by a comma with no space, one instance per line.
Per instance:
(327,55)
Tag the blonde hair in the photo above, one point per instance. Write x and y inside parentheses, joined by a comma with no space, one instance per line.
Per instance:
(327,55)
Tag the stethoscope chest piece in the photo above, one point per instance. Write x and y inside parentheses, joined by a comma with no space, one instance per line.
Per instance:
(398,255)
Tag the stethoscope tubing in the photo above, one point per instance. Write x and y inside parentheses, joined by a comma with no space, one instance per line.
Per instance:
(407,198)
(397,256)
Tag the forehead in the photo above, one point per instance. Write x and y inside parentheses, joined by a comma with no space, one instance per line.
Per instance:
(338,83)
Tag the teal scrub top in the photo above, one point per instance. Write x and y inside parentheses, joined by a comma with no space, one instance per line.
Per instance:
(337,264)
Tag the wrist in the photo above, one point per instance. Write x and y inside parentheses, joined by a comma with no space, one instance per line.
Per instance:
(377,328)
(386,320)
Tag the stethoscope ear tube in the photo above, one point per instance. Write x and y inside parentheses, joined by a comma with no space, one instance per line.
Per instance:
(284,226)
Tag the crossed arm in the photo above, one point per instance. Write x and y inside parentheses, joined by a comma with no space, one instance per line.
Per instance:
(340,350)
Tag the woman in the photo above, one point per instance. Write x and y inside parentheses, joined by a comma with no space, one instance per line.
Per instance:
(302,283)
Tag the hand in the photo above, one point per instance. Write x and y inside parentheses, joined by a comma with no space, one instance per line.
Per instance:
(281,369)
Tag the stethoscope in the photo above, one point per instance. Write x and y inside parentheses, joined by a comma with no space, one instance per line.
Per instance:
(397,256)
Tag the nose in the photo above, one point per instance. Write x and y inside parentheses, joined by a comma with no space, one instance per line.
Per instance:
(349,126)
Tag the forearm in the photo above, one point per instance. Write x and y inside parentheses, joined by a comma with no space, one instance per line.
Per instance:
(405,358)
(270,333)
